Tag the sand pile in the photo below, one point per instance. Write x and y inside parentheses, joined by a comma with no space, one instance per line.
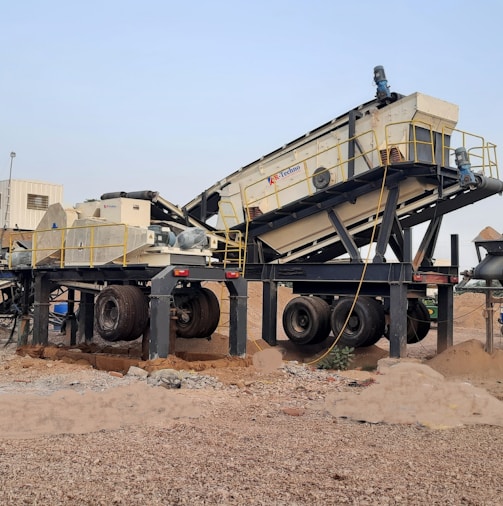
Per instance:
(413,393)
(469,360)
(70,412)
(469,310)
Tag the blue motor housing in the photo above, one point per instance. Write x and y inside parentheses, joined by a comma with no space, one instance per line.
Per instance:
(466,176)
(383,92)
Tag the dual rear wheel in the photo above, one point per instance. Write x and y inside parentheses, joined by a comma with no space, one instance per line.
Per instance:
(361,326)
(309,320)
(306,320)
(198,312)
(122,312)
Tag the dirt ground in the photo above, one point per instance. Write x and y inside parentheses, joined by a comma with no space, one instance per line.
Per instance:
(266,429)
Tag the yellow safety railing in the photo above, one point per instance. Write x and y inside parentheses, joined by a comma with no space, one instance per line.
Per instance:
(233,250)
(411,148)
(483,158)
(58,249)
(234,241)
(407,141)
(339,169)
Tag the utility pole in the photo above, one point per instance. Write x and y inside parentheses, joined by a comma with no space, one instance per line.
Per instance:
(7,205)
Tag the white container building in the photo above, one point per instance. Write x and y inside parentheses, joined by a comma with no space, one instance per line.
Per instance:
(23,203)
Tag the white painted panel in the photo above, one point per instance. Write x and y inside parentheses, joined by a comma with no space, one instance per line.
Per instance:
(14,212)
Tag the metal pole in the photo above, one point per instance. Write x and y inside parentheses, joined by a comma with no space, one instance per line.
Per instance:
(12,156)
(489,318)
(7,206)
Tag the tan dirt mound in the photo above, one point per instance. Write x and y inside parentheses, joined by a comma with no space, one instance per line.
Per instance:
(413,393)
(469,359)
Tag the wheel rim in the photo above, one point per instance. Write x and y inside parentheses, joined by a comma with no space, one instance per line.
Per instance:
(121,313)
(301,321)
(305,320)
(364,326)
(110,315)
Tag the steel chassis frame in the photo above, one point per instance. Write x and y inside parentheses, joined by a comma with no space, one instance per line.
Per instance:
(44,281)
(392,281)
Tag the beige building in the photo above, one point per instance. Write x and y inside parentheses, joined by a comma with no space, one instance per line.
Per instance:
(23,203)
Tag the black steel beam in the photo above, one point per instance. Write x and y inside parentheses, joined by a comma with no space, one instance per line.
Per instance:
(344,235)
(269,311)
(86,316)
(108,273)
(424,255)
(238,295)
(396,241)
(445,325)
(386,227)
(398,320)
(163,284)
(26,301)
(340,272)
(41,309)
(71,317)
(455,250)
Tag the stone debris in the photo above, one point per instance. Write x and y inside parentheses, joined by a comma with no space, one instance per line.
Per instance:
(137,372)
(171,378)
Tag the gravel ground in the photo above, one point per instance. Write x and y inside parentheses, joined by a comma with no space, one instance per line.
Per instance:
(257,435)
(266,440)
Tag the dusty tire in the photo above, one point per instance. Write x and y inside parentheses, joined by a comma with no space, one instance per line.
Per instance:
(141,310)
(364,326)
(121,313)
(379,333)
(304,320)
(213,312)
(418,322)
(324,315)
(192,312)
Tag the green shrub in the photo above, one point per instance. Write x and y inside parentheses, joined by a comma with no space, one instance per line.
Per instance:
(338,359)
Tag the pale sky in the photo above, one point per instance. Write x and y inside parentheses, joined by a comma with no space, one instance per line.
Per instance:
(105,96)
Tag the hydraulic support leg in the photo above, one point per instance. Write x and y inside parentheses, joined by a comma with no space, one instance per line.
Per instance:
(445,317)
(25,317)
(41,309)
(162,333)
(270,311)
(86,316)
(398,320)
(238,294)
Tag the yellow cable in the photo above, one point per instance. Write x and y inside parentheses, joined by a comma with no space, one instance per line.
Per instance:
(374,228)
(360,283)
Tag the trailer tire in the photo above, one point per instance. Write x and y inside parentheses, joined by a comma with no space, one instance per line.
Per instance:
(364,326)
(192,312)
(324,315)
(304,320)
(213,312)
(381,320)
(141,321)
(418,322)
(121,313)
